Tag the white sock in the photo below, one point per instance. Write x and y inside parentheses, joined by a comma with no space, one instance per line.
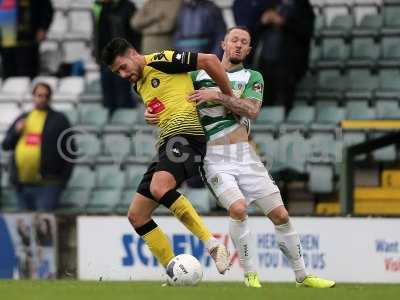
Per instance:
(241,237)
(289,243)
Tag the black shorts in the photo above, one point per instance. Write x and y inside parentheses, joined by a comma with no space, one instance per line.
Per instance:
(180,155)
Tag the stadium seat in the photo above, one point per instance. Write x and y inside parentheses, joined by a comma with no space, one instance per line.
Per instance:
(72,116)
(104,201)
(389,84)
(134,174)
(322,148)
(74,200)
(390,52)
(50,57)
(328,118)
(299,118)
(315,55)
(59,26)
(340,26)
(391,22)
(334,53)
(200,199)
(370,26)
(8,113)
(387,153)
(305,88)
(115,148)
(110,177)
(364,53)
(14,89)
(350,138)
(331,85)
(92,92)
(69,89)
(292,152)
(267,148)
(82,178)
(319,24)
(126,199)
(359,110)
(144,145)
(92,117)
(52,81)
(5,178)
(387,109)
(80,24)
(81,4)
(269,118)
(122,120)
(320,178)
(74,51)
(361,84)
(88,147)
(8,200)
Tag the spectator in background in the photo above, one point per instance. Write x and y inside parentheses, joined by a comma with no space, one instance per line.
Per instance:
(24,24)
(286,32)
(156,20)
(43,153)
(200,27)
(112,19)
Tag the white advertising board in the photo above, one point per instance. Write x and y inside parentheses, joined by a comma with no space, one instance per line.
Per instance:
(342,249)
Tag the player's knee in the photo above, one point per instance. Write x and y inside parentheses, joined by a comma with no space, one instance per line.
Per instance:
(136,219)
(238,210)
(279,216)
(158,190)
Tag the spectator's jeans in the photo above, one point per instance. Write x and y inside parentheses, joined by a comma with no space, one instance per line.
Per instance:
(39,198)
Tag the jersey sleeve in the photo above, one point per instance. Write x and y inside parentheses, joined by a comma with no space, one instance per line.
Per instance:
(255,87)
(172,62)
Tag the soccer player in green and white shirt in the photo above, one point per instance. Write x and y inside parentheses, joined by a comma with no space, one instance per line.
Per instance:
(233,171)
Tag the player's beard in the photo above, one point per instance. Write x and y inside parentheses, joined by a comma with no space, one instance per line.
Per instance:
(235,61)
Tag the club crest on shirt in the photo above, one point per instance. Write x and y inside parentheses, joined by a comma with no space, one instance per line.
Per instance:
(155,82)
(160,56)
(258,87)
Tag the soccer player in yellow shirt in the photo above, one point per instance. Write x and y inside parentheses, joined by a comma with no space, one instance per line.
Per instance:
(164,85)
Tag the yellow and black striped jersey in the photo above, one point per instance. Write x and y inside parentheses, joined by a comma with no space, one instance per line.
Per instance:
(165,79)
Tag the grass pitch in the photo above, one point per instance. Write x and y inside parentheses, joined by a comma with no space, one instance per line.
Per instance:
(78,290)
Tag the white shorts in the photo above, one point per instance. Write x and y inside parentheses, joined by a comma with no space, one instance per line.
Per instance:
(236,172)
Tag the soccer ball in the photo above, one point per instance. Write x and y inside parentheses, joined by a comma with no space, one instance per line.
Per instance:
(184,270)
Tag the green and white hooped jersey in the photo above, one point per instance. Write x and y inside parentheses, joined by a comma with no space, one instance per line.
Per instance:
(216,120)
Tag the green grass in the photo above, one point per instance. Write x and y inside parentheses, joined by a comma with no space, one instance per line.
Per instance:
(77,290)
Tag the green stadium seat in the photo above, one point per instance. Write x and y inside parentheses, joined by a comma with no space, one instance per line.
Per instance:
(328,118)
(267,146)
(8,200)
(5,178)
(88,147)
(334,53)
(306,87)
(292,152)
(386,154)
(315,55)
(74,200)
(109,177)
(92,117)
(299,118)
(364,53)
(104,201)
(359,110)
(350,138)
(320,178)
(370,26)
(319,24)
(390,52)
(389,84)
(122,120)
(126,199)
(331,85)
(116,147)
(134,174)
(387,109)
(361,84)
(200,199)
(269,118)
(340,26)
(82,177)
(322,148)
(391,15)
(144,145)
(72,116)
(92,91)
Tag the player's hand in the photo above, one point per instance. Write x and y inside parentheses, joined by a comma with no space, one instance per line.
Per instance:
(200,96)
(151,118)
(19,126)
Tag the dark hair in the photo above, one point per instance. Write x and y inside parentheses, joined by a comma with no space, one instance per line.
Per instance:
(45,85)
(244,28)
(117,47)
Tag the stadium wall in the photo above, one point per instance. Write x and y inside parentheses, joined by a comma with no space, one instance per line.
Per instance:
(343,249)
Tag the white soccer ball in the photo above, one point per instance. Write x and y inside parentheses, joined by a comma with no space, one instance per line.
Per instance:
(184,270)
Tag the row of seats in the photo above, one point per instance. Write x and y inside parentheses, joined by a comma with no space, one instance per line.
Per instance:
(74,24)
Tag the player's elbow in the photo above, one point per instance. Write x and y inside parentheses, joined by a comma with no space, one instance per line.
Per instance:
(206,61)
